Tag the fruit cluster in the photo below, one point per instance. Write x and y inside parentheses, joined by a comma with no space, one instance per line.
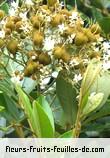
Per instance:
(41,26)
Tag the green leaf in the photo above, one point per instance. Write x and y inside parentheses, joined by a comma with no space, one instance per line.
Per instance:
(90,77)
(102,85)
(96,14)
(43,125)
(4,129)
(1,108)
(68,134)
(101,3)
(105,23)
(5,7)
(43,102)
(25,102)
(93,102)
(10,111)
(67,96)
(38,119)
(104,111)
(7,87)
(26,105)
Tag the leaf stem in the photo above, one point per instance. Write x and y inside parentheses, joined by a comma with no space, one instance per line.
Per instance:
(77,129)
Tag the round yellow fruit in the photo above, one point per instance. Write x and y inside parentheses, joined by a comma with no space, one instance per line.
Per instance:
(38,38)
(80,39)
(10,24)
(12,46)
(65,57)
(57,19)
(58,51)
(7,31)
(89,35)
(44,59)
(51,2)
(18,26)
(31,68)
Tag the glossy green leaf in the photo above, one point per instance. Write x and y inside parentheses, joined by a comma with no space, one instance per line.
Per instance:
(43,102)
(67,96)
(26,105)
(69,134)
(10,111)
(105,24)
(24,101)
(43,125)
(5,7)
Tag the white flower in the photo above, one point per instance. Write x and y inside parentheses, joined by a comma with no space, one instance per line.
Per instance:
(2,34)
(29,2)
(61,28)
(62,4)
(70,38)
(74,62)
(11,11)
(108,52)
(33,57)
(74,16)
(44,82)
(106,65)
(49,43)
(13,8)
(48,18)
(106,46)
(14,5)
(23,16)
(55,74)
(77,77)
(25,27)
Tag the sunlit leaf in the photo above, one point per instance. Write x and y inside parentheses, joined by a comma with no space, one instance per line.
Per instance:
(1,108)
(43,102)
(93,102)
(69,134)
(43,125)
(90,76)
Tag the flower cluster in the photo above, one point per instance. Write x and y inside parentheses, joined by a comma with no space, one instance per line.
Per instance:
(47,38)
